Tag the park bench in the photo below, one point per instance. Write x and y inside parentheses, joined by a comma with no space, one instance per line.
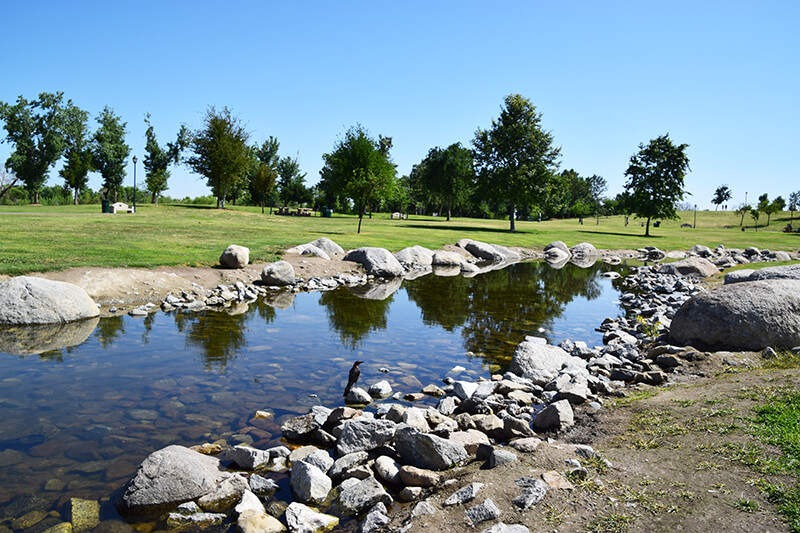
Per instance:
(121,207)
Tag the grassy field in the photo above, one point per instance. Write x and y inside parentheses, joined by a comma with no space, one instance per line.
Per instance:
(37,238)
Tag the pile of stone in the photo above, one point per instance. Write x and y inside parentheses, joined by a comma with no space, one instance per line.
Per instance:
(720,256)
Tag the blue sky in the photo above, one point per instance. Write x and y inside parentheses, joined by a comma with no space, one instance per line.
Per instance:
(722,77)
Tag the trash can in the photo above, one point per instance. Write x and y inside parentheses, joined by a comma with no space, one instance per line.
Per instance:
(326,212)
(106,205)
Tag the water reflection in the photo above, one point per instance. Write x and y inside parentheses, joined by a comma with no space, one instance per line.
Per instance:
(31,340)
(109,330)
(354,316)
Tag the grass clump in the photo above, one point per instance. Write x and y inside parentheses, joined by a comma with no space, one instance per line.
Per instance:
(610,523)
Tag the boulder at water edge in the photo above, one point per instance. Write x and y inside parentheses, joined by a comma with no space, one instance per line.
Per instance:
(235,256)
(279,273)
(540,362)
(415,257)
(309,250)
(481,250)
(691,266)
(742,316)
(327,246)
(377,261)
(769,273)
(170,476)
(31,300)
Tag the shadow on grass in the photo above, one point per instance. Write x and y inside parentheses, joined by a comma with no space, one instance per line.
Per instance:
(196,206)
(620,234)
(470,228)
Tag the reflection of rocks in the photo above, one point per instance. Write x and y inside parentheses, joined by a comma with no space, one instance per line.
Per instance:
(376,291)
(27,340)
(447,271)
(557,262)
(414,274)
(279,299)
(583,261)
(32,300)
(584,254)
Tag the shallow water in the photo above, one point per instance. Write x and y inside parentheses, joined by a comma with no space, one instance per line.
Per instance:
(76,422)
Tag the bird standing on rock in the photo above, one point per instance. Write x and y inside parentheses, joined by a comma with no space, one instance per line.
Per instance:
(355,372)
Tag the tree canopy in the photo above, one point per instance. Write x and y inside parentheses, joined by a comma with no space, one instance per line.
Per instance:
(515,159)
(221,153)
(721,195)
(655,179)
(293,188)
(360,168)
(157,159)
(447,175)
(264,172)
(36,129)
(109,151)
(78,152)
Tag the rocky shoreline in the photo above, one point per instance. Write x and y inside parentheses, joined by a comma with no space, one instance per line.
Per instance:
(354,462)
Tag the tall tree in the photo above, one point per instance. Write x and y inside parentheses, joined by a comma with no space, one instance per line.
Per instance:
(360,168)
(794,203)
(78,153)
(741,212)
(721,195)
(448,175)
(264,172)
(157,159)
(36,129)
(293,189)
(110,152)
(221,153)
(655,179)
(515,158)
(770,208)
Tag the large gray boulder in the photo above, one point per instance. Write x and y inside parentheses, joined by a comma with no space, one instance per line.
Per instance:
(541,362)
(359,497)
(484,251)
(32,300)
(415,256)
(309,250)
(35,339)
(446,258)
(742,316)
(309,483)
(777,272)
(327,245)
(584,250)
(364,434)
(556,416)
(235,256)
(691,266)
(558,245)
(377,261)
(279,273)
(168,477)
(428,451)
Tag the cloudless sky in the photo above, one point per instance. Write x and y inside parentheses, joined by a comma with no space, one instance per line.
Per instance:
(720,76)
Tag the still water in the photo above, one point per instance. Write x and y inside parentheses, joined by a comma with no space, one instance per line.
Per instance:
(76,422)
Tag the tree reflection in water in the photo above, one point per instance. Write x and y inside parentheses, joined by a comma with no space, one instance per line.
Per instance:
(220,335)
(497,309)
(354,317)
(109,329)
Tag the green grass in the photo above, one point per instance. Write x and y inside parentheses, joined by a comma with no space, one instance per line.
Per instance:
(41,238)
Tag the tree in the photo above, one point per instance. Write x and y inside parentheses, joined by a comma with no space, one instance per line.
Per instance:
(721,195)
(770,208)
(655,179)
(264,173)
(754,214)
(36,129)
(157,159)
(109,151)
(221,153)
(360,168)
(448,175)
(794,202)
(741,212)
(293,189)
(7,181)
(78,153)
(515,159)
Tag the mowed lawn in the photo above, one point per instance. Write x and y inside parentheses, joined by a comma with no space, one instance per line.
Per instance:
(38,238)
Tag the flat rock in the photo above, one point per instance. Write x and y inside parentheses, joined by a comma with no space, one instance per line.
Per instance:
(768,273)
(32,300)
(418,477)
(362,434)
(691,266)
(302,519)
(483,512)
(464,494)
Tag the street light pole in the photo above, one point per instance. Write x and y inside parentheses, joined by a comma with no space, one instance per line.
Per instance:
(695,217)
(134,183)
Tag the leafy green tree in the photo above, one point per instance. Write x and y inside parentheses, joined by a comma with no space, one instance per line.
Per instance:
(515,159)
(755,214)
(448,176)
(109,151)
(264,173)
(741,212)
(158,159)
(360,168)
(721,195)
(293,188)
(794,202)
(655,179)
(78,153)
(770,208)
(36,128)
(221,153)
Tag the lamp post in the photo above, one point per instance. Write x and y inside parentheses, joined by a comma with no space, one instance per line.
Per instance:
(695,217)
(134,183)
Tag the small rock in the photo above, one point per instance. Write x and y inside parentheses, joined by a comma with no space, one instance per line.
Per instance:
(422,509)
(464,494)
(501,457)
(302,519)
(418,477)
(483,512)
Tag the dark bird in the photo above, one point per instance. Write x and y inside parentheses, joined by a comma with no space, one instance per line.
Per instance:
(355,372)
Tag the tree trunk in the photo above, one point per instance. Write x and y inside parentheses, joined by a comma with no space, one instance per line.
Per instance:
(511,217)
(75,196)
(647,228)
(360,217)
(448,213)
(35,197)
(262,208)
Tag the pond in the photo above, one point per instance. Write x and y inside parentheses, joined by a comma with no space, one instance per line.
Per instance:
(77,421)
